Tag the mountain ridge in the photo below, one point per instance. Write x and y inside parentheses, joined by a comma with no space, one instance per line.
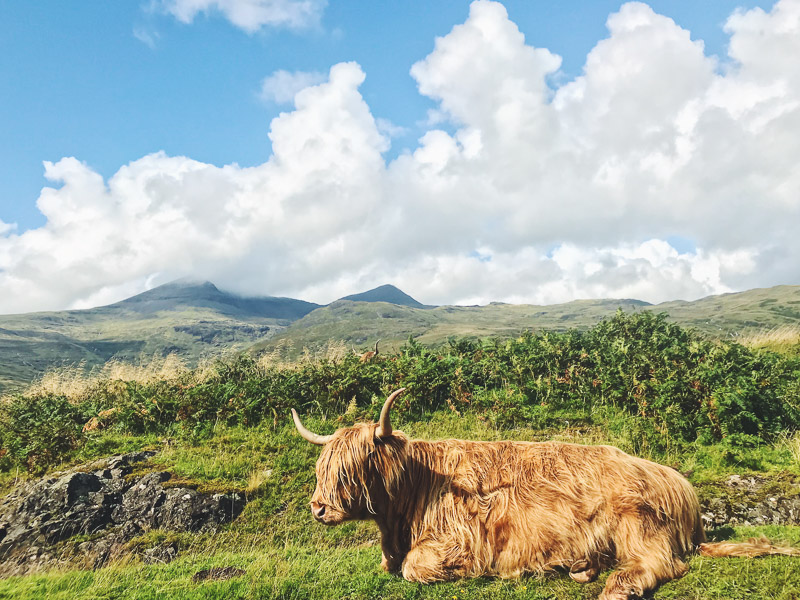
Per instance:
(207,295)
(718,316)
(196,320)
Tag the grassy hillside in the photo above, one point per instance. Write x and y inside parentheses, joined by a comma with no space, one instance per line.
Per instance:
(188,319)
(636,381)
(359,323)
(738,314)
(196,320)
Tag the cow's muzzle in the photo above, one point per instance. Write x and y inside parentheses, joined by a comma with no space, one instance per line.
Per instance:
(325,514)
(318,510)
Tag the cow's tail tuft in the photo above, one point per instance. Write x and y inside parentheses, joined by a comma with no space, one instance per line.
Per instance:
(753,547)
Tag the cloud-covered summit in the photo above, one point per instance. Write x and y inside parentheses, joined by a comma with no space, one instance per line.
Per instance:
(526,191)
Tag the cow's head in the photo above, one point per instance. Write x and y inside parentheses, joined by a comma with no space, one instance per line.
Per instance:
(359,467)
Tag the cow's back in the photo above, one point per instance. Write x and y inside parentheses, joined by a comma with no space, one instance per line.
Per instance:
(531,506)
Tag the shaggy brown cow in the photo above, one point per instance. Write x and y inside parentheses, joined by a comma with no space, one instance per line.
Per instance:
(457,508)
(369,355)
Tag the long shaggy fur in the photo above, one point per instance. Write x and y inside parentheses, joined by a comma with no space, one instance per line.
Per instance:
(752,548)
(457,508)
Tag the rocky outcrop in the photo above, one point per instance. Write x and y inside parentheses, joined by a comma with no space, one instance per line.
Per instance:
(751,500)
(105,502)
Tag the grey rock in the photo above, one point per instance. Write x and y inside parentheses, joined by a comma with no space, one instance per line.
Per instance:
(100,500)
(161,554)
(745,503)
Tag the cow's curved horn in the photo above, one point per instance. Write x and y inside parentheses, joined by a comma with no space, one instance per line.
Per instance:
(314,438)
(384,424)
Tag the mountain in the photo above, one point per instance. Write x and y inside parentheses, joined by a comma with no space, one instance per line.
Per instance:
(184,294)
(359,324)
(196,319)
(190,319)
(385,293)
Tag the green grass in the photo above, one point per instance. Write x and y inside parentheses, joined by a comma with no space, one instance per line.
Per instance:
(304,572)
(636,382)
(286,555)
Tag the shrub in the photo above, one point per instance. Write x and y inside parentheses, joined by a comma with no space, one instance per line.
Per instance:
(40,431)
(669,385)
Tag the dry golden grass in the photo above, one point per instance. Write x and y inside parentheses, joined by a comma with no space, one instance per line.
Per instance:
(332,351)
(257,479)
(278,358)
(785,338)
(790,441)
(75,381)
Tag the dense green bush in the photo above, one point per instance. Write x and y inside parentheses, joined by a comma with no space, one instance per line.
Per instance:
(36,432)
(670,385)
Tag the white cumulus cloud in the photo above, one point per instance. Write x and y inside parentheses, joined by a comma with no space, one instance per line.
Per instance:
(521,189)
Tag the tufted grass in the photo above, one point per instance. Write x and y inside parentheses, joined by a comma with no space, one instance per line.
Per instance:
(286,555)
(303,572)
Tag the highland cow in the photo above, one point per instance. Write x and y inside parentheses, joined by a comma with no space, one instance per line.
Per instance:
(369,355)
(458,508)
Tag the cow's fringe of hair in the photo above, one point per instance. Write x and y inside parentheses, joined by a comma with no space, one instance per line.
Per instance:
(350,462)
(760,546)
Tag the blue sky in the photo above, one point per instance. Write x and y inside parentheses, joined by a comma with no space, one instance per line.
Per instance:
(79,82)
(109,83)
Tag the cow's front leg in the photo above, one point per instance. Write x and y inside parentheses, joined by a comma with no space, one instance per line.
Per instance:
(425,563)
(390,563)
(392,548)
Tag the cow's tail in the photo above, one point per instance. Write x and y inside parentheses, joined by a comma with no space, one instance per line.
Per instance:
(753,547)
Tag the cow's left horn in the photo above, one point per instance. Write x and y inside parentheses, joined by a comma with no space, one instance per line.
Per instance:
(384,424)
(314,438)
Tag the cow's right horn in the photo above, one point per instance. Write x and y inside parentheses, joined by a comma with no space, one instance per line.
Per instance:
(314,438)
(384,424)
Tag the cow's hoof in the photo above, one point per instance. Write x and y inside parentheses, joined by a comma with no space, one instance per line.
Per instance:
(583,571)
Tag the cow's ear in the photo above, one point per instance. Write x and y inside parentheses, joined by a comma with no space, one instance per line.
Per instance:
(384,424)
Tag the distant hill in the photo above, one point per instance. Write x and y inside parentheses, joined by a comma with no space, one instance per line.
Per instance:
(729,315)
(196,319)
(360,324)
(185,294)
(385,293)
(723,316)
(190,319)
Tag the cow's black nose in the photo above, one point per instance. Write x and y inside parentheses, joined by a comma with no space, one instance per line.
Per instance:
(317,509)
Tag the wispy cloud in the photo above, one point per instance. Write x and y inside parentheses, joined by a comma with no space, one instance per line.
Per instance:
(149,37)
(282,86)
(251,15)
(386,127)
